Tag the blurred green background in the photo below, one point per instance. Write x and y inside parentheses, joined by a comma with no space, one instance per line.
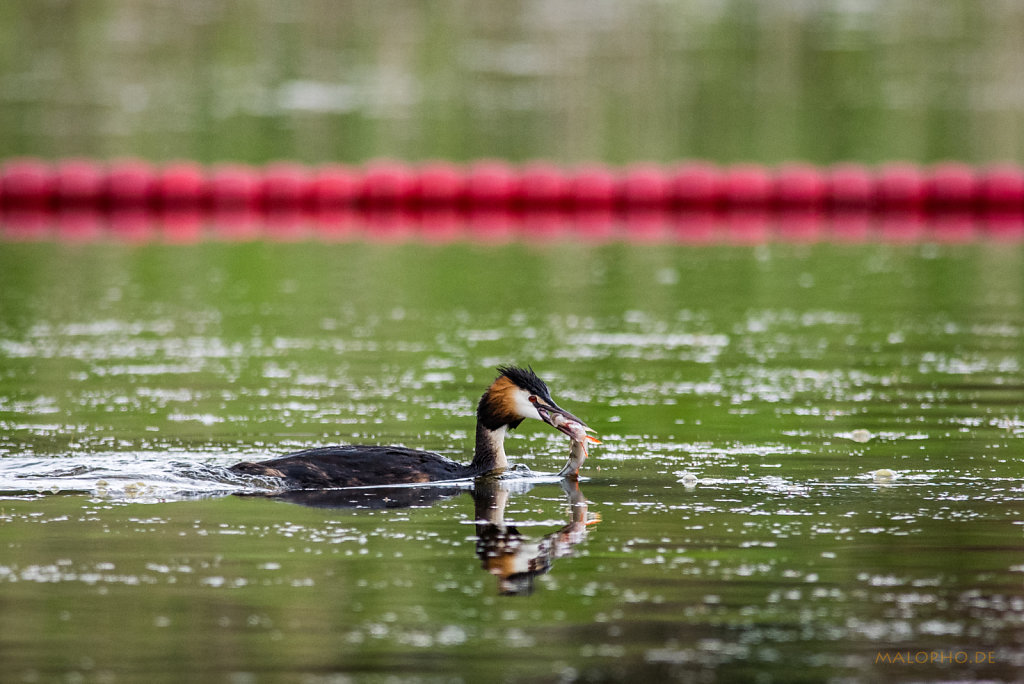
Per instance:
(566,80)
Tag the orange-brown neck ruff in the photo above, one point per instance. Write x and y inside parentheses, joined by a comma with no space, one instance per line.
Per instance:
(498,405)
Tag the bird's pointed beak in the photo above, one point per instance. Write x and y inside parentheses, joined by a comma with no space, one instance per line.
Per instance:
(546,412)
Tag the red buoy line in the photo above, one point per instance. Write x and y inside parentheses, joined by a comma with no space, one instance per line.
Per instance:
(133,188)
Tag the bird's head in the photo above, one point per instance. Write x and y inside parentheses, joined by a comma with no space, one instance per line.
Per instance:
(518,394)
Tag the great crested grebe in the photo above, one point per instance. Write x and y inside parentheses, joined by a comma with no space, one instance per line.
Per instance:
(516,394)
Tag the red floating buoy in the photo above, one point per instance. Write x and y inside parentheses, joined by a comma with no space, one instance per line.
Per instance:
(595,225)
(644,186)
(953,227)
(387,185)
(80,224)
(543,225)
(491,185)
(1004,225)
(544,186)
(440,224)
(593,187)
(180,186)
(951,186)
(26,224)
(747,225)
(439,185)
(850,187)
(131,224)
(284,187)
(800,224)
(130,184)
(334,187)
(800,186)
(27,184)
(747,186)
(182,225)
(854,225)
(496,201)
(696,185)
(78,184)
(494,226)
(901,226)
(233,187)
(695,226)
(647,225)
(1001,188)
(900,186)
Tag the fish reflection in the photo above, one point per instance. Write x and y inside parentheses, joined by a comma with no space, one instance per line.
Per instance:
(511,557)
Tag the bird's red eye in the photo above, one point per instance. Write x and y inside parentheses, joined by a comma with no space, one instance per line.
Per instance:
(533,399)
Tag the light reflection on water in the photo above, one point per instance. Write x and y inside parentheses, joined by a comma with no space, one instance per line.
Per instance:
(786,486)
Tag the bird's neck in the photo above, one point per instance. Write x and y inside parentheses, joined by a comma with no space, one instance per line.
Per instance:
(490,449)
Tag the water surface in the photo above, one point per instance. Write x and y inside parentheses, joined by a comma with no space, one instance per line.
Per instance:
(809,469)
(726,80)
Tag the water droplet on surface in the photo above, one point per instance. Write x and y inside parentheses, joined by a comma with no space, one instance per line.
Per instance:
(861,435)
(883,475)
(688,480)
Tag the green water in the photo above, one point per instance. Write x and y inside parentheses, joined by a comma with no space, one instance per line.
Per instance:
(727,80)
(741,529)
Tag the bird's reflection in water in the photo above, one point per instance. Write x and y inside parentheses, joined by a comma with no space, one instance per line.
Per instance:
(505,552)
(369,497)
(510,556)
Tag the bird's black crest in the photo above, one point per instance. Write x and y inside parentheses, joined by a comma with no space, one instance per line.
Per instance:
(527,379)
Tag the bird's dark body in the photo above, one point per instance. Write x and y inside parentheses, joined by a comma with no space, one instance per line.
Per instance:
(357,466)
(516,394)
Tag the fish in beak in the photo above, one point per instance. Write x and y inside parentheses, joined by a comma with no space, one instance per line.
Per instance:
(560,419)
